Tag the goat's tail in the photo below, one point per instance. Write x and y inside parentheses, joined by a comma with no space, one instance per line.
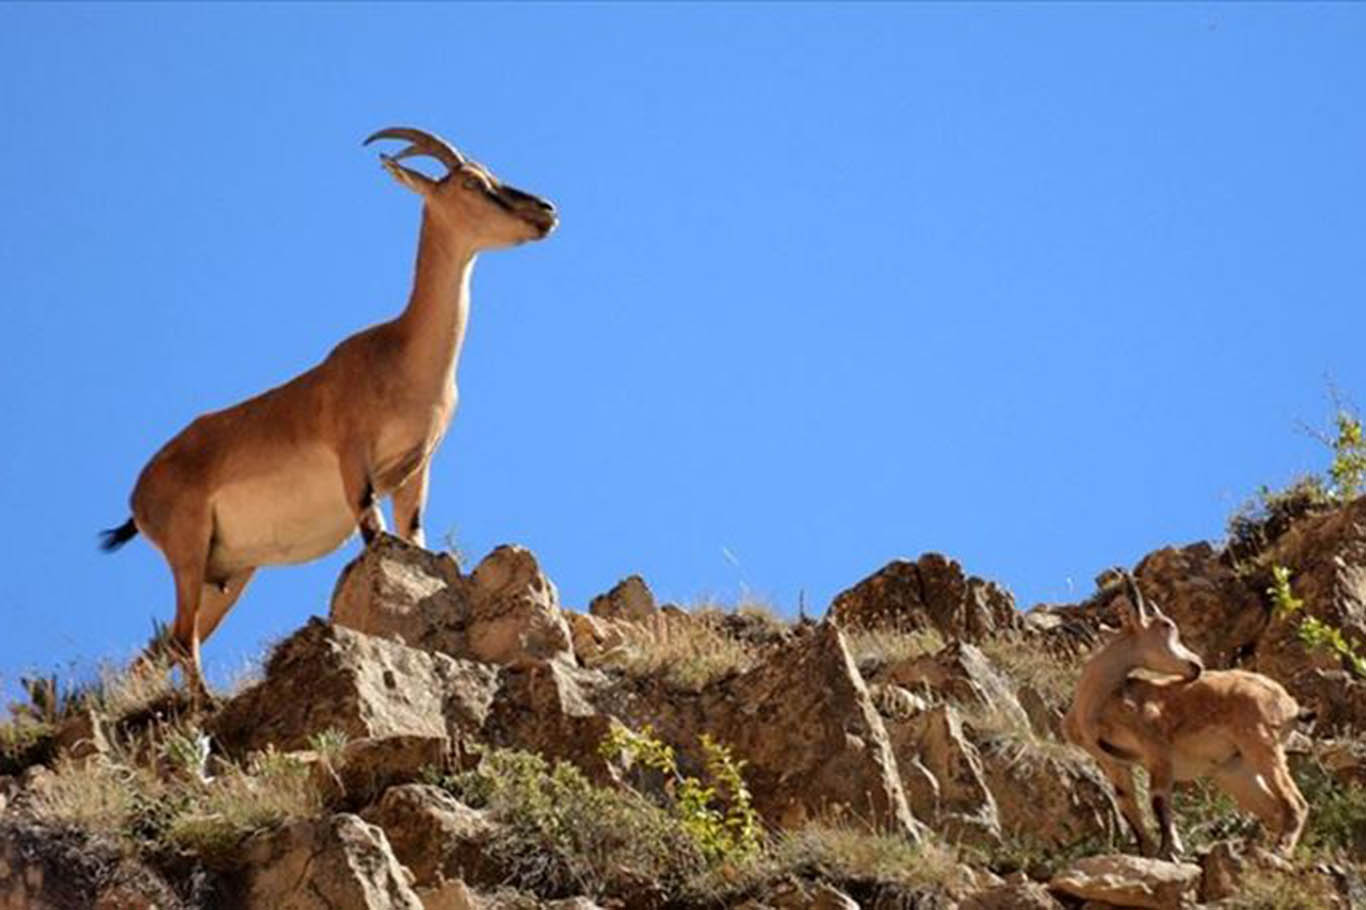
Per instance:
(113,538)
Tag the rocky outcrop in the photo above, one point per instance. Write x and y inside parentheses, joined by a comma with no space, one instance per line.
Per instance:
(362,686)
(433,834)
(505,612)
(932,592)
(338,862)
(631,599)
(1129,881)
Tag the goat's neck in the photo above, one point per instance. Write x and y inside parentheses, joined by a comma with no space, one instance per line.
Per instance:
(434,322)
(1100,679)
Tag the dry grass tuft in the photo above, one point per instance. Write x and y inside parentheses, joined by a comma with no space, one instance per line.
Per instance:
(842,853)
(1055,680)
(687,651)
(879,647)
(165,801)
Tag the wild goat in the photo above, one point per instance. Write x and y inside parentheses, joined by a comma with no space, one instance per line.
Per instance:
(1228,725)
(289,475)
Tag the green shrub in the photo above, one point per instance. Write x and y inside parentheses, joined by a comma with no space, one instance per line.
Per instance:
(1314,633)
(559,834)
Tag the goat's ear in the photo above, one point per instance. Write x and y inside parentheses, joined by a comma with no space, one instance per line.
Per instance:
(417,182)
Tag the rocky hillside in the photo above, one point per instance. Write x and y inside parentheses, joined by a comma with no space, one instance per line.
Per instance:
(449,740)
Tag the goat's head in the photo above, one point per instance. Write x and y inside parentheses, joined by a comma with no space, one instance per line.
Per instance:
(1154,639)
(495,214)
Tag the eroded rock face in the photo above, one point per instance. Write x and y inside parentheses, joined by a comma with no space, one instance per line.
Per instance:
(506,611)
(330,677)
(1048,795)
(932,592)
(961,673)
(955,801)
(322,865)
(631,599)
(546,708)
(1129,881)
(44,868)
(433,834)
(1327,557)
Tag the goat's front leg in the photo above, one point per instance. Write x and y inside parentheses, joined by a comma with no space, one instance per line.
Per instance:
(359,488)
(409,499)
(1160,785)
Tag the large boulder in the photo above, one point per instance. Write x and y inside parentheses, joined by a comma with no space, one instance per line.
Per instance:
(955,799)
(547,708)
(631,599)
(326,676)
(506,611)
(804,724)
(433,834)
(1129,881)
(1048,793)
(323,865)
(932,592)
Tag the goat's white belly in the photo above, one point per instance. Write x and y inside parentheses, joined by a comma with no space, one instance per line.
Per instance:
(293,514)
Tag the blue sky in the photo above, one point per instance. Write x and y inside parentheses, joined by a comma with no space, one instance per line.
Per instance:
(1042,287)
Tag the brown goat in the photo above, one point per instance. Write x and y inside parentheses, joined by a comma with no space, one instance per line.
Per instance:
(1226,725)
(289,475)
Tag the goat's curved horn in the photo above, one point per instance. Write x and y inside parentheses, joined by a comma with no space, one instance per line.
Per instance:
(421,143)
(1135,595)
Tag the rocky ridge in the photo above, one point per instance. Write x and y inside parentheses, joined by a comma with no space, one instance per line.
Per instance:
(902,752)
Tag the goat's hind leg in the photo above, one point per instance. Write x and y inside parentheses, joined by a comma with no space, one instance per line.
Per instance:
(1255,792)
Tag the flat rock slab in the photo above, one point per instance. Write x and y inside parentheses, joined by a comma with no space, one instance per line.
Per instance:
(1129,881)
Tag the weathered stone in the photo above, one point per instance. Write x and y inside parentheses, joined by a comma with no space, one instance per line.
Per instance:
(958,672)
(514,611)
(813,741)
(631,599)
(931,592)
(1016,896)
(1048,794)
(595,637)
(450,895)
(959,804)
(506,611)
(1326,554)
(435,835)
(331,677)
(543,708)
(369,766)
(896,702)
(1337,698)
(322,865)
(396,589)
(1129,881)
(1044,719)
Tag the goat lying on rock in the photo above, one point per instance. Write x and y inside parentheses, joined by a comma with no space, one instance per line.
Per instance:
(1227,725)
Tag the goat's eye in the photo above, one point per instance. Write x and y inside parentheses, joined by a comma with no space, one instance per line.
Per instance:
(471,183)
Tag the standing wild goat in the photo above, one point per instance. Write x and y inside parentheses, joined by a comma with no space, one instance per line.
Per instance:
(289,475)
(1228,725)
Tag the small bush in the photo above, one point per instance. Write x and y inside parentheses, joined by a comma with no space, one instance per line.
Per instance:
(720,817)
(1314,633)
(845,854)
(559,834)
